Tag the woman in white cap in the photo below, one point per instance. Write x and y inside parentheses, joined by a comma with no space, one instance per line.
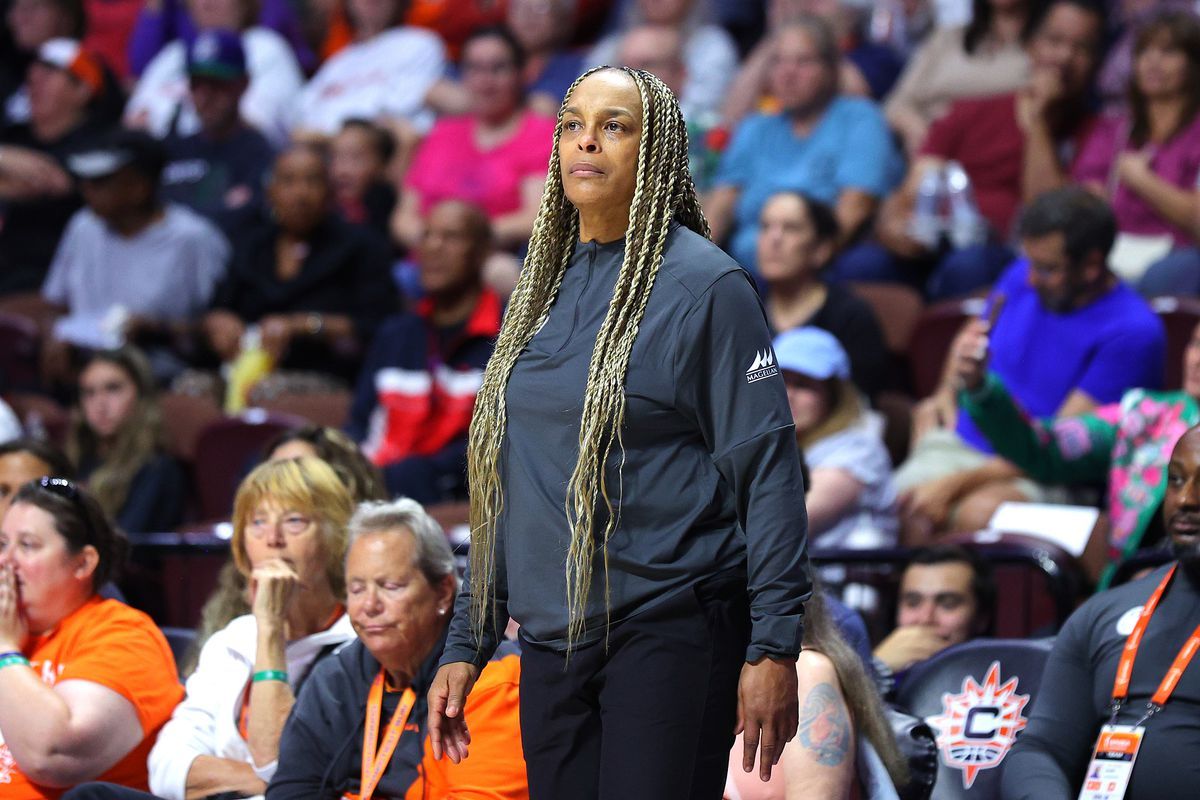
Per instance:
(851,501)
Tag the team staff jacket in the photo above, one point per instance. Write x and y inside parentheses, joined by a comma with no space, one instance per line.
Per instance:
(1051,755)
(417,389)
(711,479)
(320,752)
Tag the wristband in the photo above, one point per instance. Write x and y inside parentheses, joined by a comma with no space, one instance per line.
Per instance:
(9,653)
(269,675)
(10,660)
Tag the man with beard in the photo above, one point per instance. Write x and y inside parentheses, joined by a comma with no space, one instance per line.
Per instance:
(1149,625)
(1067,336)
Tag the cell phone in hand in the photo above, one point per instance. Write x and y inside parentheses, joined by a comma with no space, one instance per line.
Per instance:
(992,312)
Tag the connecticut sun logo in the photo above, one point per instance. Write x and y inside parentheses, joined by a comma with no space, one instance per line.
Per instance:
(978,726)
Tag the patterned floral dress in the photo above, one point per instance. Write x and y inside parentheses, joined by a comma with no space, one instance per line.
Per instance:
(1126,444)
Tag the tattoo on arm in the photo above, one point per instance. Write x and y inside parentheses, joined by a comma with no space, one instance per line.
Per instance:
(824,725)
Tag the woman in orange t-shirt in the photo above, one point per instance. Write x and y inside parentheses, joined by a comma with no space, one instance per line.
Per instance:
(85,683)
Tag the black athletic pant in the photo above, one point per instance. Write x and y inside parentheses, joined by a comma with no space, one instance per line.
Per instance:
(652,717)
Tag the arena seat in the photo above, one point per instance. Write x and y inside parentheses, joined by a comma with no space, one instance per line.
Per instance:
(185,416)
(330,409)
(977,697)
(896,306)
(42,417)
(20,348)
(225,449)
(180,640)
(931,339)
(1041,583)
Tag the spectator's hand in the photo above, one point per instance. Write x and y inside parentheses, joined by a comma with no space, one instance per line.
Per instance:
(36,174)
(932,500)
(13,628)
(1045,88)
(138,326)
(447,698)
(272,585)
(970,354)
(907,645)
(223,330)
(1133,168)
(939,410)
(768,712)
(277,333)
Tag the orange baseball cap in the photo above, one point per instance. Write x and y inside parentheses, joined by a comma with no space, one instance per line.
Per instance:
(69,55)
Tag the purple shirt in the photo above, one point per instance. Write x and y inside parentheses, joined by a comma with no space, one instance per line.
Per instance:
(155,29)
(1176,161)
(1112,344)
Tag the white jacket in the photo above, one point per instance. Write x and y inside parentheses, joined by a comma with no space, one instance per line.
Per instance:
(275,83)
(205,723)
(388,75)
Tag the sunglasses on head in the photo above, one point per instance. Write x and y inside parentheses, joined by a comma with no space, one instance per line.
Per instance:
(69,491)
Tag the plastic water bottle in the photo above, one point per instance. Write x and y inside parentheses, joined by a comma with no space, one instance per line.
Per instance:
(926,225)
(888,24)
(967,226)
(250,366)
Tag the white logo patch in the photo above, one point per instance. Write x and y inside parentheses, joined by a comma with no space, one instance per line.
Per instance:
(1128,620)
(762,367)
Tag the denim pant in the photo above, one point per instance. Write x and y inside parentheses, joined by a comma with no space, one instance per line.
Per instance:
(1177,273)
(953,273)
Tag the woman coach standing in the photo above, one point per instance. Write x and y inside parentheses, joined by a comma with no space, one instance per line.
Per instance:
(636,495)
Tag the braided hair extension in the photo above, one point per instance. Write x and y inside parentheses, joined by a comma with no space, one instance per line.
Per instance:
(664,192)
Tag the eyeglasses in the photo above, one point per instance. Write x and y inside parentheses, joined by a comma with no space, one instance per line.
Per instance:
(69,491)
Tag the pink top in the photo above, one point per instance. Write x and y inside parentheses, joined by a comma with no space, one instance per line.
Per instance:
(450,166)
(1177,162)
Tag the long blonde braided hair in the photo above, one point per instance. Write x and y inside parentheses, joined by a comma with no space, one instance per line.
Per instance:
(664,192)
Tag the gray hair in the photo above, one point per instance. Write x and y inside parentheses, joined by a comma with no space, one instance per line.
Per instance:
(434,558)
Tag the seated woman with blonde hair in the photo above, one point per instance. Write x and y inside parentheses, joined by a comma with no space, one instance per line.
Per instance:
(289,537)
(362,479)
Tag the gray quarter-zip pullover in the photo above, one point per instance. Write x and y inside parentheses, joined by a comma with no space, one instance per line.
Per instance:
(711,478)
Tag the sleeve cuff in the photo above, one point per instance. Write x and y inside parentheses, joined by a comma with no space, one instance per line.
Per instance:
(776,637)
(266,771)
(979,396)
(456,654)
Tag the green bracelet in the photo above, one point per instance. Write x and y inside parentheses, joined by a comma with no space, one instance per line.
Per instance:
(269,675)
(8,661)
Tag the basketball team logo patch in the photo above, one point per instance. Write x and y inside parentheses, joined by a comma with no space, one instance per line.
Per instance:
(978,726)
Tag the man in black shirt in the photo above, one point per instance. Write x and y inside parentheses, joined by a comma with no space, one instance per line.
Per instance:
(1050,759)
(37,196)
(219,170)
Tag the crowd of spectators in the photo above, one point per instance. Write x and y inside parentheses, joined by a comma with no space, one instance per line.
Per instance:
(202,197)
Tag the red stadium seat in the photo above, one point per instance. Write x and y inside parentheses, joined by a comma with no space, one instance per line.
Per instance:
(897,307)
(185,416)
(931,340)
(226,449)
(330,409)
(41,416)
(20,346)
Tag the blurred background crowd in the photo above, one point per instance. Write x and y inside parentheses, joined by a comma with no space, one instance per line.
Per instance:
(233,226)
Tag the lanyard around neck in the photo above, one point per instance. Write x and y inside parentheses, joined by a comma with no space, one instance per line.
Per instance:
(1129,654)
(373,764)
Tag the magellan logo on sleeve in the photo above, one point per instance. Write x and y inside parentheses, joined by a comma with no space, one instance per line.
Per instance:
(763,366)
(977,728)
